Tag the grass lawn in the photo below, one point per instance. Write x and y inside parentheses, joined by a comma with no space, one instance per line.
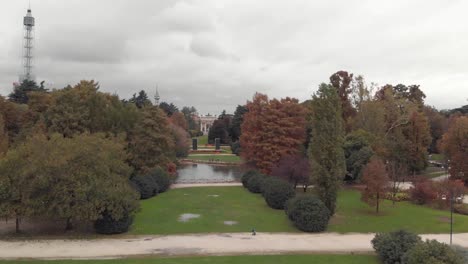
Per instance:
(159,215)
(278,259)
(225,158)
(202,140)
(355,216)
(437,157)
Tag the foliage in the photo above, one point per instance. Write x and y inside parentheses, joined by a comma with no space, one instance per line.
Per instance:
(271,129)
(150,142)
(455,146)
(236,123)
(398,197)
(341,81)
(220,129)
(277,192)
(461,208)
(108,225)
(21,92)
(168,108)
(193,125)
(181,139)
(358,152)
(293,168)
(146,185)
(246,177)
(418,135)
(236,148)
(178,119)
(423,191)
(392,246)
(308,213)
(162,179)
(438,124)
(325,150)
(141,100)
(376,180)
(255,182)
(432,252)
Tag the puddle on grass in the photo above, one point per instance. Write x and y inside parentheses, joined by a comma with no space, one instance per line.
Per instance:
(230,223)
(187,217)
(213,195)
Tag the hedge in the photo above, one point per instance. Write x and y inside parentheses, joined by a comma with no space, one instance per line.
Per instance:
(392,246)
(277,192)
(308,213)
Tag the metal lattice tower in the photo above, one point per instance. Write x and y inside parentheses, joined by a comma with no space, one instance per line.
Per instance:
(156,96)
(28,23)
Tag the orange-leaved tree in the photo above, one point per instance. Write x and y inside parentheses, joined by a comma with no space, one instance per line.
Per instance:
(455,146)
(376,180)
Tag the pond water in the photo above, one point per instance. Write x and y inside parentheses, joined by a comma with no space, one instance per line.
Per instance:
(208,173)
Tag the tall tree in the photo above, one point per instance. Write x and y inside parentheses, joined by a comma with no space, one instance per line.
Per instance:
(141,100)
(271,129)
(20,92)
(168,108)
(220,129)
(438,124)
(178,119)
(341,81)
(3,137)
(193,125)
(325,149)
(418,136)
(455,146)
(150,142)
(358,152)
(236,123)
(376,180)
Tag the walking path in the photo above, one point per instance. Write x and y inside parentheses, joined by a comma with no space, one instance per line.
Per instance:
(203,244)
(213,184)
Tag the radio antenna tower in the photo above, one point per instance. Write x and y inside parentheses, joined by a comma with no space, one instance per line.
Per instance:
(156,96)
(28,23)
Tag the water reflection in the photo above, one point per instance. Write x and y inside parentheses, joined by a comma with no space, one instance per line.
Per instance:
(200,173)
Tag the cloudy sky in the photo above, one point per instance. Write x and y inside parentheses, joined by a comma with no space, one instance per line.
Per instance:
(215,54)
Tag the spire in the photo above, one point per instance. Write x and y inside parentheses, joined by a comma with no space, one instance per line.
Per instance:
(156,96)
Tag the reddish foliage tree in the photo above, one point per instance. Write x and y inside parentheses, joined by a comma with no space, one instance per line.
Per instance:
(341,81)
(455,146)
(271,129)
(293,168)
(376,180)
(423,191)
(178,119)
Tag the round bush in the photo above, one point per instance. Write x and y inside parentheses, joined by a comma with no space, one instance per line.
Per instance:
(277,192)
(254,184)
(107,225)
(392,246)
(432,252)
(145,185)
(308,213)
(162,179)
(245,178)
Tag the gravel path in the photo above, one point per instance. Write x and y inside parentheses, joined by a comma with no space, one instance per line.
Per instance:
(190,185)
(203,244)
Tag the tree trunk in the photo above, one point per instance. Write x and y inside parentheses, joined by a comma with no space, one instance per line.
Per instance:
(17,225)
(69,225)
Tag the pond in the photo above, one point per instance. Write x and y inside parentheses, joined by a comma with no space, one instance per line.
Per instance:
(208,173)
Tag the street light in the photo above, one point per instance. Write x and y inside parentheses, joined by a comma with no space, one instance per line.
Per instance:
(451,212)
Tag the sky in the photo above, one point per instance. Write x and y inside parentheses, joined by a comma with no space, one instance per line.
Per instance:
(215,54)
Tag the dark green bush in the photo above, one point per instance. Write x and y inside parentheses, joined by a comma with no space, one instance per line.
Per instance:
(107,225)
(145,185)
(246,176)
(162,179)
(460,209)
(432,252)
(255,182)
(392,246)
(308,213)
(277,192)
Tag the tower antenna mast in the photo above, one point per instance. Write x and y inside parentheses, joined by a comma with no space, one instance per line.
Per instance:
(28,40)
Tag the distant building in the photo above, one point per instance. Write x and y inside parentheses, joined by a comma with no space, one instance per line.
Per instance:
(206,121)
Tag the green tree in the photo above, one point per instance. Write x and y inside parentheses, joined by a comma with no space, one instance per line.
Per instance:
(325,149)
(150,142)
(236,123)
(168,108)
(20,92)
(141,100)
(358,152)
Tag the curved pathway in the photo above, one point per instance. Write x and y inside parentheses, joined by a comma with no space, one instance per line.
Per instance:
(203,244)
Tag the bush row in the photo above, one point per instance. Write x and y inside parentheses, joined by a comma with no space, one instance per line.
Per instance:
(152,183)
(308,213)
(405,247)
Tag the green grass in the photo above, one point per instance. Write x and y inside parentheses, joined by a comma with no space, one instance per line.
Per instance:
(202,140)
(159,214)
(355,216)
(438,157)
(233,158)
(269,259)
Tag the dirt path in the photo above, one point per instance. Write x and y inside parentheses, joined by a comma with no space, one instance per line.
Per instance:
(204,244)
(190,185)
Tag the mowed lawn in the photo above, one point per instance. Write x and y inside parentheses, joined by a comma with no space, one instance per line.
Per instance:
(355,216)
(277,259)
(215,205)
(224,158)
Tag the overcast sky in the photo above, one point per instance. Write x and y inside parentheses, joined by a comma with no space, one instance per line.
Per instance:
(215,54)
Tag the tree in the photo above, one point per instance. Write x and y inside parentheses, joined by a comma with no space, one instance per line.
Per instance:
(141,100)
(181,141)
(271,129)
(236,122)
(325,149)
(168,108)
(358,152)
(295,169)
(432,252)
(418,136)
(179,120)
(455,146)
(341,81)
(20,92)
(150,142)
(376,180)
(3,137)
(392,246)
(438,124)
(220,129)
(193,125)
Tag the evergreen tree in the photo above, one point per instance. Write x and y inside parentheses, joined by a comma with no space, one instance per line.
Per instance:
(236,123)
(325,150)
(141,100)
(20,92)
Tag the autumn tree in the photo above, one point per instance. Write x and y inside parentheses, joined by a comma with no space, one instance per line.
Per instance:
(150,141)
(376,180)
(418,136)
(455,146)
(181,141)
(3,137)
(325,149)
(295,169)
(438,124)
(179,120)
(341,81)
(271,129)
(193,124)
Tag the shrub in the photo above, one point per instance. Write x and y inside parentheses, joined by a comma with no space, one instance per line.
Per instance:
(432,252)
(162,179)
(277,192)
(308,213)
(392,246)
(145,185)
(235,147)
(423,192)
(245,178)
(460,209)
(399,197)
(107,225)
(255,182)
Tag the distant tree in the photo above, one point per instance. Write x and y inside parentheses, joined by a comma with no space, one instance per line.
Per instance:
(455,147)
(168,108)
(295,169)
(236,122)
(181,140)
(220,129)
(438,124)
(325,149)
(179,120)
(150,142)
(193,125)
(358,152)
(141,100)
(341,81)
(271,129)
(418,136)
(20,92)
(376,180)
(3,137)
